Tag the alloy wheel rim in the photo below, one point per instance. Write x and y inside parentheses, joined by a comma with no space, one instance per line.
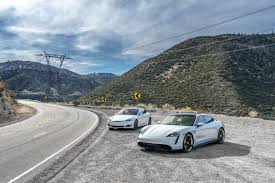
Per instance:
(221,136)
(188,143)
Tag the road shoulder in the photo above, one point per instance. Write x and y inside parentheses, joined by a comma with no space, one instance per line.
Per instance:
(60,163)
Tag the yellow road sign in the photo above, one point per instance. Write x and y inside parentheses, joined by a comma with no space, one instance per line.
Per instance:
(103,99)
(137,95)
(82,99)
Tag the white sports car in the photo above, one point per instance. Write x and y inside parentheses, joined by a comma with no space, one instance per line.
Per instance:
(182,131)
(130,118)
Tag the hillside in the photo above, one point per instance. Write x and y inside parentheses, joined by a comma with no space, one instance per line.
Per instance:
(35,81)
(232,83)
(7,103)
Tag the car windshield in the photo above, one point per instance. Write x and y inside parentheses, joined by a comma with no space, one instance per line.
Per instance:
(128,112)
(184,120)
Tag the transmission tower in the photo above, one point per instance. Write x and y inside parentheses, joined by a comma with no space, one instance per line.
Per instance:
(48,57)
(51,78)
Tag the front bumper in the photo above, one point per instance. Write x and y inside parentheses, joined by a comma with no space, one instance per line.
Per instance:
(167,143)
(120,124)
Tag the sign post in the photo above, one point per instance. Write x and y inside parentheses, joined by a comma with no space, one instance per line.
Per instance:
(82,99)
(137,96)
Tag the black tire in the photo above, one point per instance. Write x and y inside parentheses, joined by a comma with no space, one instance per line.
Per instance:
(150,121)
(221,136)
(111,129)
(136,124)
(188,143)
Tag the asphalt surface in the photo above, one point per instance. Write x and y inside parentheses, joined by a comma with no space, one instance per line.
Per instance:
(248,155)
(29,146)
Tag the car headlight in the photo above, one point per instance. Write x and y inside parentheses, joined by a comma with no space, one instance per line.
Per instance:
(173,134)
(143,130)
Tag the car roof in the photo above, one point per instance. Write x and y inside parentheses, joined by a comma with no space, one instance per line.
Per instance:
(185,113)
(132,108)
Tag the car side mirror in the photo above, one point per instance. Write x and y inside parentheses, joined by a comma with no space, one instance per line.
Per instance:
(211,120)
(200,124)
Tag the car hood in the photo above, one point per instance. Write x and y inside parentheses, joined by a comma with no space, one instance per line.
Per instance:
(157,131)
(122,117)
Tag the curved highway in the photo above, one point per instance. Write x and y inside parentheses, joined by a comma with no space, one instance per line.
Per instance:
(27,146)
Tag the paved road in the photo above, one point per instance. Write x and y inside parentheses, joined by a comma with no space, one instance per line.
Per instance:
(248,155)
(27,146)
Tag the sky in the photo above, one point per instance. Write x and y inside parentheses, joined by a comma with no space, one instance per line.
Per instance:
(99,35)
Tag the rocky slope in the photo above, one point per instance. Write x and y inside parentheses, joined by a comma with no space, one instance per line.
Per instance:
(211,77)
(35,81)
(7,103)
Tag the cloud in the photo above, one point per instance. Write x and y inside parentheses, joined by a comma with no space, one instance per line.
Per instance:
(100,32)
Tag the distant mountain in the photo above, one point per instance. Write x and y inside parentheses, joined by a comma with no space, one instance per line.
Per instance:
(35,81)
(7,103)
(212,77)
(102,78)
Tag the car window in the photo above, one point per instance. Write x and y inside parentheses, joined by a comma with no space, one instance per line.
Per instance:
(128,112)
(184,120)
(200,119)
(207,119)
(144,111)
(141,111)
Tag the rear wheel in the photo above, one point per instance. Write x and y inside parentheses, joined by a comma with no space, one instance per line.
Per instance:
(150,121)
(136,124)
(221,136)
(188,143)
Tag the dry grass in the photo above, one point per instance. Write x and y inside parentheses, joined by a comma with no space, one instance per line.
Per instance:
(23,109)
(253,114)
(186,109)
(142,106)
(151,106)
(168,106)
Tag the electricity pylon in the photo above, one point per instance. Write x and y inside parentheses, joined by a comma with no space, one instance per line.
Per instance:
(51,78)
(48,56)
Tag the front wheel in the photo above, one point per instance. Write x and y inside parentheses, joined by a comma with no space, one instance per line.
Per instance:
(221,136)
(188,143)
(150,121)
(136,124)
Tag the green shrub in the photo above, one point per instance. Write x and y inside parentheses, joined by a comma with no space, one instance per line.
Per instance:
(76,103)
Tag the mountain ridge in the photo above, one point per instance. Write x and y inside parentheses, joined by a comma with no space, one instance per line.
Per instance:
(36,81)
(189,74)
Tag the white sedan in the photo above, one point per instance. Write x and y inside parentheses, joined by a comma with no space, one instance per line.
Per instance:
(130,118)
(182,131)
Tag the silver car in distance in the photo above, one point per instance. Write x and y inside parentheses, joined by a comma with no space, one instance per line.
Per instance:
(130,118)
(182,131)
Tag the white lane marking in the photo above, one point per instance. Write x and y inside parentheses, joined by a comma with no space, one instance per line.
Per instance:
(40,134)
(56,153)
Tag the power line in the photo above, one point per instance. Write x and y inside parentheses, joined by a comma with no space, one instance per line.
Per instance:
(219,53)
(211,43)
(205,27)
(208,44)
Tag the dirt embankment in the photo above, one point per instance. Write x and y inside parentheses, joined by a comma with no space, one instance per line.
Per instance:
(10,110)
